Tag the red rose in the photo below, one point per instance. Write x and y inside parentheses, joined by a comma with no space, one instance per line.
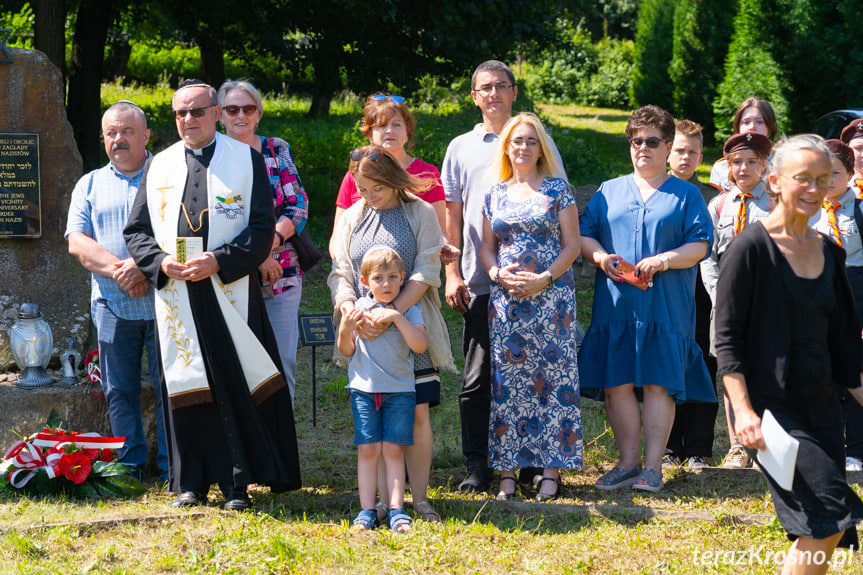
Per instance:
(107,456)
(78,467)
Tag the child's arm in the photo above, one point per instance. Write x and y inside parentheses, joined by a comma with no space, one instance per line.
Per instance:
(414,334)
(346,343)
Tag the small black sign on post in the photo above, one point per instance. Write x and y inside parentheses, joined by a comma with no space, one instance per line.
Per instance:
(316,329)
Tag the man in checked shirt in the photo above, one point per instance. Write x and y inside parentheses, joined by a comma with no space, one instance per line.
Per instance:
(121,300)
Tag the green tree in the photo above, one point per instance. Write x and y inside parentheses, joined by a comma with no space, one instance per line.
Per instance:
(367,46)
(852,17)
(751,67)
(651,83)
(815,48)
(702,32)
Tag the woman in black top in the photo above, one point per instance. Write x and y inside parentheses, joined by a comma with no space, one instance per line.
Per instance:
(787,335)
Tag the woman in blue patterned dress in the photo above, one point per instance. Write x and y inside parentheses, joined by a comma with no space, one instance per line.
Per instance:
(643,341)
(530,239)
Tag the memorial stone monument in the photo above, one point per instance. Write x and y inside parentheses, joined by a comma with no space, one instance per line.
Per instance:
(39,165)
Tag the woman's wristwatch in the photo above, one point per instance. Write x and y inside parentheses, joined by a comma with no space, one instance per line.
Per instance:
(496,276)
(664,259)
(550,277)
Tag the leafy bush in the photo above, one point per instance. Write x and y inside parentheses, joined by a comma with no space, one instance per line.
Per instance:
(154,64)
(557,76)
(610,85)
(151,63)
(581,72)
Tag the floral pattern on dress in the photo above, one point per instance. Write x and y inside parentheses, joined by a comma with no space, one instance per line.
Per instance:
(535,407)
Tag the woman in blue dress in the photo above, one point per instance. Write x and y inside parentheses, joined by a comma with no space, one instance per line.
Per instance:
(530,239)
(644,340)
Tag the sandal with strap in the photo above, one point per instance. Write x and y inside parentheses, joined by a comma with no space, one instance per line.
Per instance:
(426,511)
(400,521)
(649,480)
(546,496)
(504,495)
(366,520)
(617,478)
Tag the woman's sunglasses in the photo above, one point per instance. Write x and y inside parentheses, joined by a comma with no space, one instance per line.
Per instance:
(383,98)
(373,155)
(651,142)
(234,110)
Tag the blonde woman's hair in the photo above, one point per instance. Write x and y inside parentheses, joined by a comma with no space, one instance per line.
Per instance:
(376,164)
(548,163)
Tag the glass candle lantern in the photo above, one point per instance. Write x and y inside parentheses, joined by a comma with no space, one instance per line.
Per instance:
(32,342)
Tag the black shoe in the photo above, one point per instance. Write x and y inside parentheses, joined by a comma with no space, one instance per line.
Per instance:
(476,480)
(546,497)
(190,499)
(506,495)
(527,475)
(236,498)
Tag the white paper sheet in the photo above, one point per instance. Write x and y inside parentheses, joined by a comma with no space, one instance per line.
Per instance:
(189,248)
(780,458)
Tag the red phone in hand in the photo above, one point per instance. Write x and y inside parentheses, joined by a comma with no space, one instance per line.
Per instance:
(627,272)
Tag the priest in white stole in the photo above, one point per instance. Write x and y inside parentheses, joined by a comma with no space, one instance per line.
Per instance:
(201,224)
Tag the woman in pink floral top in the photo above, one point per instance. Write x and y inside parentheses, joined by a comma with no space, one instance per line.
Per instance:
(281,276)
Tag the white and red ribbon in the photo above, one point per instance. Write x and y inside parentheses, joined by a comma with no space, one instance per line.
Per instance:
(27,460)
(82,440)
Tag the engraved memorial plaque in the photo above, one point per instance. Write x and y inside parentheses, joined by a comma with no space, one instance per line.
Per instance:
(20,197)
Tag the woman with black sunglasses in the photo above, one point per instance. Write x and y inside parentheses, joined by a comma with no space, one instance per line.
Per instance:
(281,276)
(645,232)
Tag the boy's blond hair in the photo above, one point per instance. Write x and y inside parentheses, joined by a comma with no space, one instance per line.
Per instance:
(380,257)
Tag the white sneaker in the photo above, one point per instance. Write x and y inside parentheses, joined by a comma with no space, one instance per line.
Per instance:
(853,464)
(737,458)
(696,462)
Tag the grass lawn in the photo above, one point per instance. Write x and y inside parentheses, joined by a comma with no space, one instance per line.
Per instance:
(710,521)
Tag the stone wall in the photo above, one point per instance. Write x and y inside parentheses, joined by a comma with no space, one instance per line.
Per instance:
(34,101)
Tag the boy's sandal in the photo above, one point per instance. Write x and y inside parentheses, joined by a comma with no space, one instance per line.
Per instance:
(649,480)
(617,478)
(400,521)
(426,511)
(366,520)
(382,510)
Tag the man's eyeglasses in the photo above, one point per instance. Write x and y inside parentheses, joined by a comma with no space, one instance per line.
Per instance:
(531,143)
(486,89)
(194,112)
(384,98)
(373,155)
(652,143)
(232,111)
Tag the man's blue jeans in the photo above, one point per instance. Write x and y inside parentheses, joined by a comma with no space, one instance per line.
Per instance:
(121,347)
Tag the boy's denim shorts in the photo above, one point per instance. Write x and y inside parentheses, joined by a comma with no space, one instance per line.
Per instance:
(383,417)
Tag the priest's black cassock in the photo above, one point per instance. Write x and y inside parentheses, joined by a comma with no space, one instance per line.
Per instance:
(229,439)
